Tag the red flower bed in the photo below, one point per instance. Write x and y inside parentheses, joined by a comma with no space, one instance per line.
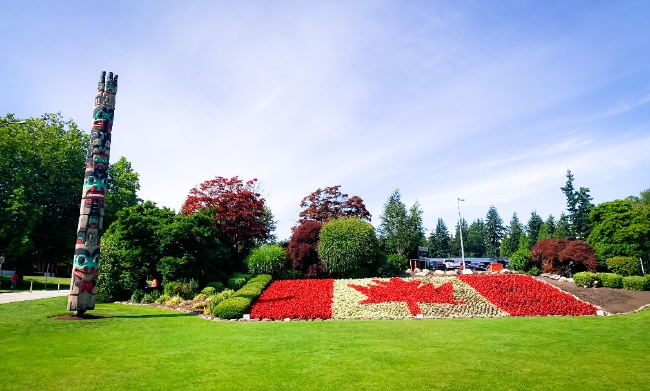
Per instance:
(521,295)
(296,299)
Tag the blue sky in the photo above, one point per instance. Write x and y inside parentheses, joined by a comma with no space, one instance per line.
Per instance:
(491,101)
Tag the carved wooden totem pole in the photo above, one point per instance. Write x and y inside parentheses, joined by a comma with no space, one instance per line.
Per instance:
(85,268)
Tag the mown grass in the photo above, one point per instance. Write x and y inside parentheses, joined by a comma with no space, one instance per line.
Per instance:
(142,347)
(36,283)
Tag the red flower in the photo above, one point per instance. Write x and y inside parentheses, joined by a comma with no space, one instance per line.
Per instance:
(298,299)
(521,295)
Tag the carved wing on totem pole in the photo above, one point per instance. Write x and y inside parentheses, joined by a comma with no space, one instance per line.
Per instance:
(85,268)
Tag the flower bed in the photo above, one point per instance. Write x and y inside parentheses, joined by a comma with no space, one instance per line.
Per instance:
(431,297)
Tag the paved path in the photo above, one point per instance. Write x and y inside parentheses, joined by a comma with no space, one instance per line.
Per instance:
(27,295)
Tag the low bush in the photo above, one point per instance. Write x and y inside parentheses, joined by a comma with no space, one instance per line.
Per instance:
(209,291)
(636,283)
(610,280)
(218,298)
(393,265)
(137,296)
(236,283)
(584,278)
(249,291)
(288,274)
(269,258)
(624,266)
(200,297)
(170,288)
(174,300)
(217,285)
(162,299)
(260,281)
(148,298)
(232,308)
(520,260)
(534,271)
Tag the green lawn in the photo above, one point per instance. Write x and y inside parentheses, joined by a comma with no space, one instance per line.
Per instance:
(39,283)
(149,348)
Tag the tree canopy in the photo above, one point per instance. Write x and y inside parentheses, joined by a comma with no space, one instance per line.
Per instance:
(41,173)
(400,230)
(239,211)
(329,203)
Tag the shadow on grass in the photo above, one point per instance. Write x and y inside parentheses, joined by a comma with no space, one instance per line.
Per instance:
(150,316)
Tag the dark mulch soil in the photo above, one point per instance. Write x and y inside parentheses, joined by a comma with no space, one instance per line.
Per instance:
(613,301)
(80,317)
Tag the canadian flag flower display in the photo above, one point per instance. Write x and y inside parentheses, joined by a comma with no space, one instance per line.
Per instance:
(430,297)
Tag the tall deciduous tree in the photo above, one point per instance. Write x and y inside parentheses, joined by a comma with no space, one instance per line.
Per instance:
(239,213)
(122,189)
(494,227)
(400,230)
(41,166)
(620,228)
(329,203)
(439,240)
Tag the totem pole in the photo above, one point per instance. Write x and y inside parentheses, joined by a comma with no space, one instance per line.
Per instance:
(85,268)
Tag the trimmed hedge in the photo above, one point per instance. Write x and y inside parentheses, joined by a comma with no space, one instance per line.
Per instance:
(624,266)
(636,283)
(520,260)
(238,304)
(232,308)
(610,280)
(584,278)
(235,283)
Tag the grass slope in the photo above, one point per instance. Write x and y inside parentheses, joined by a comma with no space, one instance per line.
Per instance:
(38,283)
(143,347)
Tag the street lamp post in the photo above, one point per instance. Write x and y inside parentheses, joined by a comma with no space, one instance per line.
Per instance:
(460,229)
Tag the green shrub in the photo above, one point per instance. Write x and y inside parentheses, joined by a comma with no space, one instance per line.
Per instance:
(610,280)
(269,259)
(394,264)
(584,278)
(137,296)
(288,274)
(534,271)
(218,298)
(347,244)
(249,291)
(236,283)
(624,266)
(217,285)
(520,260)
(209,291)
(174,300)
(232,308)
(200,297)
(162,299)
(636,283)
(148,298)
(263,280)
(170,288)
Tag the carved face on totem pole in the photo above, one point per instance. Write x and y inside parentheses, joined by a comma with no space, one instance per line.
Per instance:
(85,268)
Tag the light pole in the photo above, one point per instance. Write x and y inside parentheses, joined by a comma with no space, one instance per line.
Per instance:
(460,229)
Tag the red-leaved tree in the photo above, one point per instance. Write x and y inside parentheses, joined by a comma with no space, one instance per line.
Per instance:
(238,207)
(563,256)
(302,249)
(329,203)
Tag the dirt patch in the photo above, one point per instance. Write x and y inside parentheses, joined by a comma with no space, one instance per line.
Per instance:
(80,317)
(613,301)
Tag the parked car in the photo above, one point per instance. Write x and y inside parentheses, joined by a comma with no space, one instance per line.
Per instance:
(437,265)
(479,268)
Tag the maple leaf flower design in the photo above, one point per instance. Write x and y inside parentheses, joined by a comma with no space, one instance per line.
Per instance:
(411,292)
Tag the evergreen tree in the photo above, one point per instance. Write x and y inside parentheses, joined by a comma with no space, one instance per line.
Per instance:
(510,242)
(477,239)
(562,228)
(455,242)
(400,231)
(494,227)
(547,229)
(578,207)
(532,228)
(439,241)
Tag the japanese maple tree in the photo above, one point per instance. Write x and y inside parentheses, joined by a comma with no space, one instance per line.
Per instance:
(302,248)
(239,212)
(329,203)
(564,256)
